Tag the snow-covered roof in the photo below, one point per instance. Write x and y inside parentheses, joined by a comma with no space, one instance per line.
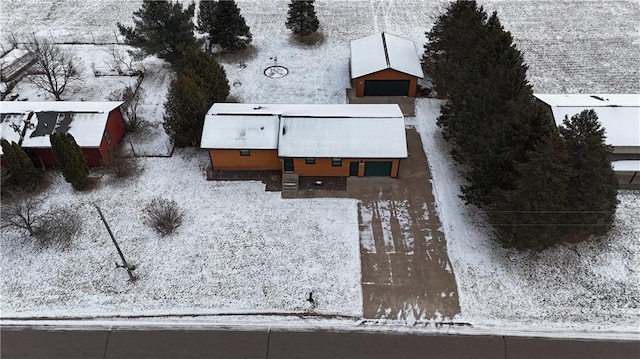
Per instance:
(259,132)
(354,130)
(383,51)
(343,137)
(626,166)
(86,121)
(304,110)
(619,114)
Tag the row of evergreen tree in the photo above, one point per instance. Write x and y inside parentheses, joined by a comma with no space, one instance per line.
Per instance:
(537,185)
(166,29)
(71,160)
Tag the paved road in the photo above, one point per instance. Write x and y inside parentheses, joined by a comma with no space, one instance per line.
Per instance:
(118,344)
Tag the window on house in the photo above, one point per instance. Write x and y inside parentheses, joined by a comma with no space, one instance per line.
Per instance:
(336,162)
(245,153)
(107,137)
(310,161)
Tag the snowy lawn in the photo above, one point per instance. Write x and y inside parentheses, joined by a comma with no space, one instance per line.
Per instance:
(594,285)
(240,249)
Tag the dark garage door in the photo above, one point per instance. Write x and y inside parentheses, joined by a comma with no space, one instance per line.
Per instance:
(386,87)
(377,168)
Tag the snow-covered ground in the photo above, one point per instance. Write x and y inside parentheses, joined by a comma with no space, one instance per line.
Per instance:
(240,249)
(581,46)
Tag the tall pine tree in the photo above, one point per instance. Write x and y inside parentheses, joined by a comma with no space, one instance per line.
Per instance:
(161,28)
(301,17)
(191,94)
(185,109)
(532,215)
(206,19)
(592,188)
(70,159)
(229,29)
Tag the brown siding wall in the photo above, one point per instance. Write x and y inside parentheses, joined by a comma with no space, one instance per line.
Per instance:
(323,167)
(387,74)
(258,160)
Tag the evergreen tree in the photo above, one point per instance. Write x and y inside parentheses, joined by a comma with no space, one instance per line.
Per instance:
(186,106)
(162,29)
(70,159)
(23,172)
(592,188)
(206,19)
(301,17)
(490,118)
(228,28)
(533,214)
(212,74)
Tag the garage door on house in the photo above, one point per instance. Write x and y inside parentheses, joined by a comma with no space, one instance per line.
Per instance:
(386,87)
(377,169)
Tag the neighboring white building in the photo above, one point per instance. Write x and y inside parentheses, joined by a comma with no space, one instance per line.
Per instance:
(619,115)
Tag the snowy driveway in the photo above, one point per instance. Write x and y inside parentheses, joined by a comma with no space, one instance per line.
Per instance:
(406,272)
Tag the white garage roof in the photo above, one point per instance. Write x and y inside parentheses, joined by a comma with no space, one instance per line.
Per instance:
(383,51)
(619,114)
(86,121)
(358,130)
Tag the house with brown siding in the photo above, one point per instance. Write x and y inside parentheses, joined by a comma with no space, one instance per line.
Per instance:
(97,127)
(306,140)
(384,65)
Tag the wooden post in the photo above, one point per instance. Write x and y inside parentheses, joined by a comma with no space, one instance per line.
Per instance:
(124,261)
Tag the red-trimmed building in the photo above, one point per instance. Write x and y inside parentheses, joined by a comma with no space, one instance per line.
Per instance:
(97,127)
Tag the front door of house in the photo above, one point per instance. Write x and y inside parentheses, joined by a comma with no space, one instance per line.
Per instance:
(353,169)
(288,165)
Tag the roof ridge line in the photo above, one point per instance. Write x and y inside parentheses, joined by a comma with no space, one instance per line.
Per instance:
(386,52)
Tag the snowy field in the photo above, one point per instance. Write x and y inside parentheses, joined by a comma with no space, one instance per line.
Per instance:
(570,46)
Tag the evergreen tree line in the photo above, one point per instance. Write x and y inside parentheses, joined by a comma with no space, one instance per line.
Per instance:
(537,184)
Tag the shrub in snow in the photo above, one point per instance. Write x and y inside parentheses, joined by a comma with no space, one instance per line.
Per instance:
(163,215)
(122,166)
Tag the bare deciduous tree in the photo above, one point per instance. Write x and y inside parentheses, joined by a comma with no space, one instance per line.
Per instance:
(56,70)
(49,224)
(25,212)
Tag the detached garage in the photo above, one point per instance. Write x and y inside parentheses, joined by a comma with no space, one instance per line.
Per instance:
(384,65)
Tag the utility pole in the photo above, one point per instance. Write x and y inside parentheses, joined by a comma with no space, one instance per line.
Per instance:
(125,265)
